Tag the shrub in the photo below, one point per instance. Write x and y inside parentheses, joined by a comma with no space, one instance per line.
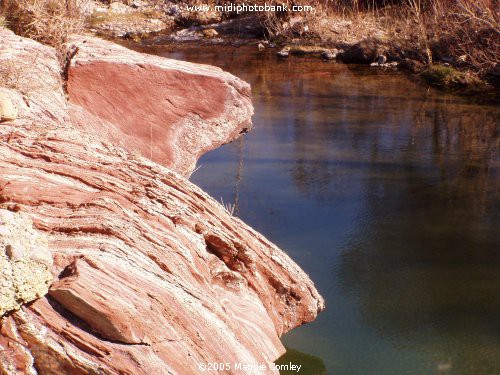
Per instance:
(470,33)
(465,33)
(47,21)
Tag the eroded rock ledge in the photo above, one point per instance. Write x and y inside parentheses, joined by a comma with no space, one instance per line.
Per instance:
(169,111)
(152,276)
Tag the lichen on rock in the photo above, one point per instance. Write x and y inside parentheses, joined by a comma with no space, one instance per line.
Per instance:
(25,261)
(8,111)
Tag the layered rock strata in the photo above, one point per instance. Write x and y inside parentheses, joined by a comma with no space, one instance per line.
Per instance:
(151,275)
(169,111)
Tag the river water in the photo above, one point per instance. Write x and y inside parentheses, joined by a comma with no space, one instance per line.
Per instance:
(387,194)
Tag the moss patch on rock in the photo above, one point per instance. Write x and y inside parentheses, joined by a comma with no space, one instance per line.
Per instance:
(451,78)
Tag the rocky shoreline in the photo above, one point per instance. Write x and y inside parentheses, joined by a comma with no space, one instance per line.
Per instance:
(371,47)
(148,274)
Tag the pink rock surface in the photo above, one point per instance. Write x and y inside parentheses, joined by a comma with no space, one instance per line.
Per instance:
(167,110)
(153,276)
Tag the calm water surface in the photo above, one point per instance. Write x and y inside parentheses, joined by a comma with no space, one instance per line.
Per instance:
(386,193)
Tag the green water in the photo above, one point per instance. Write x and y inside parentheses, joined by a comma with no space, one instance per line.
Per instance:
(386,194)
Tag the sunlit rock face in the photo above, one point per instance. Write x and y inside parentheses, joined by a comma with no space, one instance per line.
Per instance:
(166,110)
(151,275)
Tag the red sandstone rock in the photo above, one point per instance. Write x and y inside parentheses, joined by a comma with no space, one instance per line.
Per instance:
(153,276)
(167,110)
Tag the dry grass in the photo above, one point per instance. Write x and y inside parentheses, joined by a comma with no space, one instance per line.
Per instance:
(470,33)
(3,21)
(229,207)
(464,33)
(22,76)
(47,21)
(461,32)
(338,20)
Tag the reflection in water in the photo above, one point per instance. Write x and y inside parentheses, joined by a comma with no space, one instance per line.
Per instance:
(429,264)
(310,365)
(386,193)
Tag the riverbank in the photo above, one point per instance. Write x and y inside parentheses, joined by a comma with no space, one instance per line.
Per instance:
(451,46)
